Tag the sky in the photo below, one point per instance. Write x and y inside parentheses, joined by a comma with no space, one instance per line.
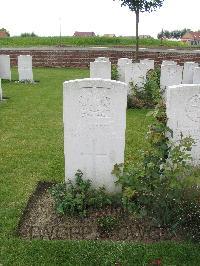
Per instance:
(44,17)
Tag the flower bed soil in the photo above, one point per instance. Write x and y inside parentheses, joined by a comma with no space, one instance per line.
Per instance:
(40,221)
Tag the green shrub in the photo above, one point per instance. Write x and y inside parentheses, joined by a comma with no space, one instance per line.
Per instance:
(155,187)
(114,73)
(149,95)
(78,197)
(107,224)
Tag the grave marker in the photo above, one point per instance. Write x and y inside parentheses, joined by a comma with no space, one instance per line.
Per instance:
(94,114)
(25,68)
(188,72)
(100,68)
(183,113)
(5,72)
(121,65)
(196,77)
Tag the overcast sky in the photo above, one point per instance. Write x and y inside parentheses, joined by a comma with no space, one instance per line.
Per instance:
(101,16)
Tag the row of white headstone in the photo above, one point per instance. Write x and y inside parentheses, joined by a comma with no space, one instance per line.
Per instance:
(171,73)
(127,70)
(94,119)
(24,67)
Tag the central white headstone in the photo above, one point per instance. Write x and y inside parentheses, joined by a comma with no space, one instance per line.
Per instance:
(94,117)
(188,72)
(100,68)
(196,77)
(170,75)
(5,72)
(121,64)
(136,73)
(148,62)
(25,68)
(183,113)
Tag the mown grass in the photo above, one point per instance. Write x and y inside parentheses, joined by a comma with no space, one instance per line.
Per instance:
(31,149)
(84,41)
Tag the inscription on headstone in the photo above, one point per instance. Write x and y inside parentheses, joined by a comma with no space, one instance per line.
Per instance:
(94,129)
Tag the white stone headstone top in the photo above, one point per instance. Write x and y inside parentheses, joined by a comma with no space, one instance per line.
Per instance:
(196,77)
(1,93)
(25,68)
(94,115)
(122,62)
(188,72)
(183,113)
(170,75)
(100,69)
(100,59)
(168,62)
(5,70)
(136,73)
(148,62)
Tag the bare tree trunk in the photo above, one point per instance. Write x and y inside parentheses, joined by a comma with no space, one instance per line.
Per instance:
(137,13)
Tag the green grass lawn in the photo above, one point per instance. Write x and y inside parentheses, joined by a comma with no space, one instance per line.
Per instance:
(31,149)
(84,41)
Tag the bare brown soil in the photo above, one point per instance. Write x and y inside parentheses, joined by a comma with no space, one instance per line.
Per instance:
(40,221)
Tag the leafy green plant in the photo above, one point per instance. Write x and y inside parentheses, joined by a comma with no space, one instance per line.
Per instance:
(78,197)
(114,73)
(149,95)
(153,186)
(107,224)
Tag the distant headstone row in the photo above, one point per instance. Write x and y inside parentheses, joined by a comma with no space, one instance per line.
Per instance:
(24,67)
(171,73)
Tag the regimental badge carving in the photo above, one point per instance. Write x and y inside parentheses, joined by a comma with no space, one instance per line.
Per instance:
(193,108)
(95,103)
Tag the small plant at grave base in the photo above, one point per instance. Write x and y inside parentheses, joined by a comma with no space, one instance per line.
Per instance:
(149,95)
(107,224)
(75,199)
(154,187)
(114,73)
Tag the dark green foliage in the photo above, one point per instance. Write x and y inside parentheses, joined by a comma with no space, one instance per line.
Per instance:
(26,34)
(157,185)
(114,72)
(107,224)
(149,95)
(175,34)
(142,5)
(4,30)
(78,197)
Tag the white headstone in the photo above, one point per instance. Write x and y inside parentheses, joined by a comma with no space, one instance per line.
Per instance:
(170,75)
(25,68)
(1,93)
(122,62)
(188,72)
(148,62)
(183,112)
(94,129)
(196,77)
(136,73)
(168,62)
(5,72)
(100,69)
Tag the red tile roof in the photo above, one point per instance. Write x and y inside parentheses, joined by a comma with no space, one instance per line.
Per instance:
(84,34)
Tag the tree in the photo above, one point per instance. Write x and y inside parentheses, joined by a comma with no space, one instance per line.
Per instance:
(4,30)
(175,34)
(138,6)
(27,34)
